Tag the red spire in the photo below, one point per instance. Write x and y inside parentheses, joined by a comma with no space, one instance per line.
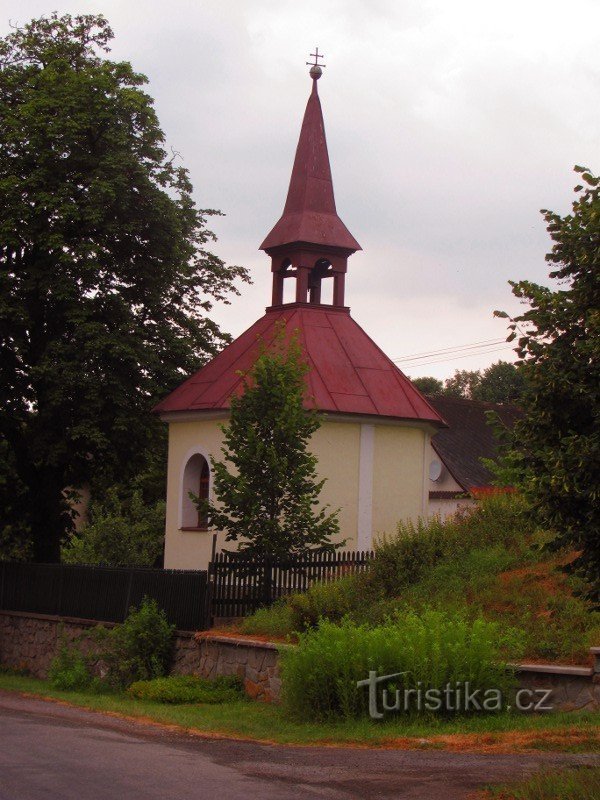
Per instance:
(310,215)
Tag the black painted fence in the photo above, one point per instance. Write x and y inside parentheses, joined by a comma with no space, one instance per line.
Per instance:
(240,583)
(104,593)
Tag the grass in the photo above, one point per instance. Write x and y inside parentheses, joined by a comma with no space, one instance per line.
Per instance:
(249,719)
(573,783)
(491,562)
(275,621)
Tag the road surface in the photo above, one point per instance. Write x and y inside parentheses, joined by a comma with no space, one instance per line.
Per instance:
(54,752)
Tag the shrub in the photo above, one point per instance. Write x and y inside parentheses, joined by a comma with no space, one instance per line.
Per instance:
(188,689)
(332,601)
(139,649)
(69,669)
(320,675)
(405,558)
(120,532)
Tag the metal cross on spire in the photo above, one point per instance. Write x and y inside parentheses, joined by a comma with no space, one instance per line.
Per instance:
(316,69)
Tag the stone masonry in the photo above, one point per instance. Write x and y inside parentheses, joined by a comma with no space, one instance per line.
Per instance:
(30,642)
(255,662)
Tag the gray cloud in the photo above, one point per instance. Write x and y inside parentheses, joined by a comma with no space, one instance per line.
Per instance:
(449,126)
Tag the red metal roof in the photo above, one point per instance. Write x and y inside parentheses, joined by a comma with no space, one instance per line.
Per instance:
(310,214)
(348,372)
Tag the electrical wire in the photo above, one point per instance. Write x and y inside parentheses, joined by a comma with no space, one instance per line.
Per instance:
(456,349)
(456,358)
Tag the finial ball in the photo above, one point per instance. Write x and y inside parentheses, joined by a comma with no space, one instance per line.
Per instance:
(315,72)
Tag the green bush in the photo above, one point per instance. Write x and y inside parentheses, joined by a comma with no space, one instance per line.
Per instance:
(188,689)
(332,601)
(69,669)
(120,532)
(320,675)
(141,648)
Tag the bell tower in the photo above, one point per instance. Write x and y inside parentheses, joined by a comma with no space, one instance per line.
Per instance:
(310,243)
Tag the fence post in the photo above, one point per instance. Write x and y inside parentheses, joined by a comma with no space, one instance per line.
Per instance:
(207,610)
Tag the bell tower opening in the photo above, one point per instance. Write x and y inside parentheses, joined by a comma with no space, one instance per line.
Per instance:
(318,286)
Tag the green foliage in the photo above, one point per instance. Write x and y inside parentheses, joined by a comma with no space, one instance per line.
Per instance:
(69,668)
(502,382)
(139,649)
(462,383)
(178,689)
(332,601)
(409,556)
(269,501)
(489,562)
(556,446)
(433,649)
(119,533)
(580,782)
(273,621)
(428,385)
(106,283)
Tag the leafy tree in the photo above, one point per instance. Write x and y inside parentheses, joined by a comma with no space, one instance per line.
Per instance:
(462,384)
(499,383)
(105,280)
(268,502)
(557,443)
(428,385)
(119,533)
(502,382)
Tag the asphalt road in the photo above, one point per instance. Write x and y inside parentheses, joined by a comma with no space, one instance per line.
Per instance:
(51,751)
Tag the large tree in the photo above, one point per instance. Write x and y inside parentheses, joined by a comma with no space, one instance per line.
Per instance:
(105,280)
(557,442)
(266,486)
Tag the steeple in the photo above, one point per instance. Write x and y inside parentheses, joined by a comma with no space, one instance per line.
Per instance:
(310,242)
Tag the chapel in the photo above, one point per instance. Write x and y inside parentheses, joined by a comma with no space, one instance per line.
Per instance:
(373,446)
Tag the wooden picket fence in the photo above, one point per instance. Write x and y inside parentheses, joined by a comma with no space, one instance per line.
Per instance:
(239,583)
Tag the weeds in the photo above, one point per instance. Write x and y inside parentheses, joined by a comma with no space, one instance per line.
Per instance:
(573,783)
(431,650)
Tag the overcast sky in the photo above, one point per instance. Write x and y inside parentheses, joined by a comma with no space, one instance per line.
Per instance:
(450,123)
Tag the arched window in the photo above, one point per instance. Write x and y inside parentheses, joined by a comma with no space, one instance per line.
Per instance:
(196,480)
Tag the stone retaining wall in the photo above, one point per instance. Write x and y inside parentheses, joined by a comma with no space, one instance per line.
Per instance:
(30,641)
(573,688)
(254,661)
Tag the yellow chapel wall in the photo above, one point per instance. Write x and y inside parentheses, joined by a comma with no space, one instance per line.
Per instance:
(398,477)
(375,475)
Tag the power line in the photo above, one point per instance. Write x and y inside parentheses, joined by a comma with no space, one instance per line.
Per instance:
(456,358)
(456,349)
